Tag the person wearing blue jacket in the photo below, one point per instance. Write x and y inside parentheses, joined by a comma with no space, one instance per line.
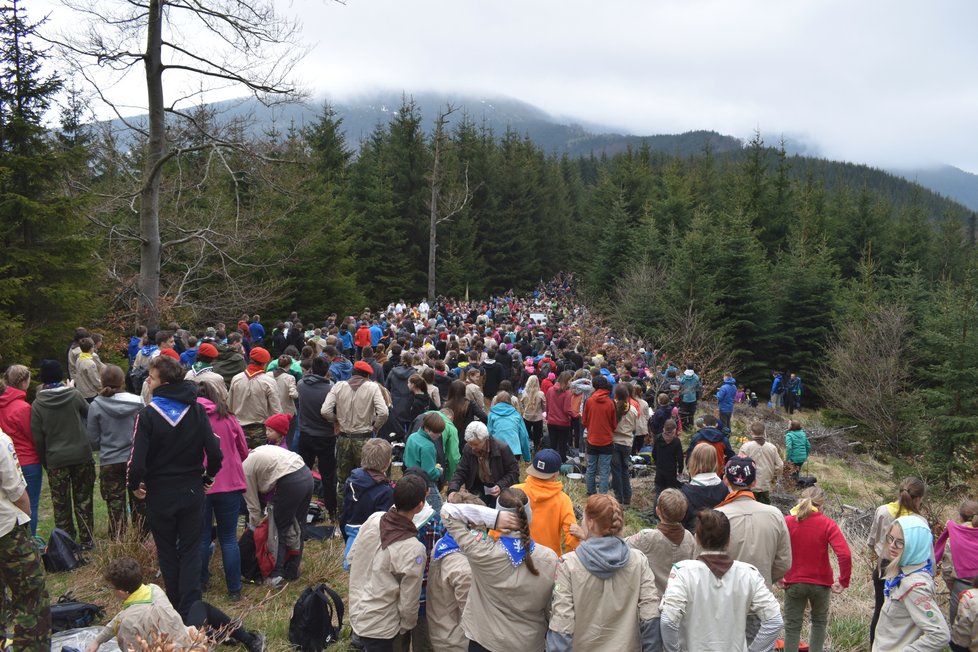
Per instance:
(346,339)
(725,400)
(506,425)
(777,390)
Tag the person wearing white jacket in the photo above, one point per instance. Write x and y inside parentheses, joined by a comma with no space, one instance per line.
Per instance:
(708,599)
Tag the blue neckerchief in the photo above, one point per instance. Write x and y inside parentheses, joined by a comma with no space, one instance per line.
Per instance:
(172,411)
(445,546)
(514,548)
(149,350)
(891,584)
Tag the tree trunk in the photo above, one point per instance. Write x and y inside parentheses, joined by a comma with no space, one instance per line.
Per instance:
(149,206)
(433,225)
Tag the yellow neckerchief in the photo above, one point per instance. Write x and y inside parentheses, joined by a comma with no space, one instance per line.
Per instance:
(86,356)
(896,511)
(794,510)
(142,595)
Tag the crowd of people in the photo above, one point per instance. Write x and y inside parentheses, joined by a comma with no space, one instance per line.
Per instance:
(484,406)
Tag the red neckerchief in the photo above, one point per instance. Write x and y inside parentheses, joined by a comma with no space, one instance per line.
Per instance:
(254,369)
(734,495)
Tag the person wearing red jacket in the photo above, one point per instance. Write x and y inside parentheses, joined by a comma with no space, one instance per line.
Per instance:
(15,420)
(558,402)
(362,338)
(810,581)
(600,421)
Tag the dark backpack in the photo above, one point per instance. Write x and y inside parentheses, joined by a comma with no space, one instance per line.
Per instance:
(311,628)
(135,379)
(68,613)
(62,553)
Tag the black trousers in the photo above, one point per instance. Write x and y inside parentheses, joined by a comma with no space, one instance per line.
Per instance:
(535,430)
(559,439)
(290,504)
(577,429)
(175,517)
(321,451)
(878,596)
(204,614)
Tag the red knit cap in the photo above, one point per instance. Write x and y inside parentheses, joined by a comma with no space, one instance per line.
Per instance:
(207,350)
(364,367)
(279,423)
(260,355)
(170,353)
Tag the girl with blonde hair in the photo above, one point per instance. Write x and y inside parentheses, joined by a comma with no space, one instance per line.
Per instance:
(810,580)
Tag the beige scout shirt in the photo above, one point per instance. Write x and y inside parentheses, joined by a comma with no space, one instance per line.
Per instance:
(603,614)
(385,584)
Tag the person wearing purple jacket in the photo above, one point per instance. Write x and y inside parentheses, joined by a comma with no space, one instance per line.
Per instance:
(223,499)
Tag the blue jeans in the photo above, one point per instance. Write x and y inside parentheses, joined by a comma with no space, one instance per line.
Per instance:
(33,475)
(224,506)
(598,464)
(621,482)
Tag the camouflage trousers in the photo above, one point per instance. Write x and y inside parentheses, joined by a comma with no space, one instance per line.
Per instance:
(254,435)
(112,484)
(26,605)
(71,490)
(348,451)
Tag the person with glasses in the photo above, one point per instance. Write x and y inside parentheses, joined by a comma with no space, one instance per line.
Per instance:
(911,617)
(908,502)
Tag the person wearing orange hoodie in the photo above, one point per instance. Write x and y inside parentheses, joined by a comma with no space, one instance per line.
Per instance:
(553,511)
(600,420)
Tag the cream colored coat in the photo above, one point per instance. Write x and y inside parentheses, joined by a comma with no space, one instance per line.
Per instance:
(768,460)
(210,378)
(911,618)
(662,553)
(759,537)
(253,400)
(385,584)
(263,467)
(287,391)
(449,580)
(355,411)
(507,607)
(603,615)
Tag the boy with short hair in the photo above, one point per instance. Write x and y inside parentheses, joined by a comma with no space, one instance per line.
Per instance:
(386,567)
(553,511)
(667,451)
(147,614)
(670,542)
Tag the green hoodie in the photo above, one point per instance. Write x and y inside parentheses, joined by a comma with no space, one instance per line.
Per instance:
(58,425)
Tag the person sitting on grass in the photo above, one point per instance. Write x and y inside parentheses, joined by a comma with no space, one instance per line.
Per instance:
(148,615)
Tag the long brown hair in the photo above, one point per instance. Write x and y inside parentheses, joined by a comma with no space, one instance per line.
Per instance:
(621,400)
(911,490)
(457,403)
(212,395)
(516,498)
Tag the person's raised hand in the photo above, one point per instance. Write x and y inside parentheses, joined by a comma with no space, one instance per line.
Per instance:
(507,521)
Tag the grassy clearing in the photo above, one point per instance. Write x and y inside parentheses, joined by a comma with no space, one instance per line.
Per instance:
(857,482)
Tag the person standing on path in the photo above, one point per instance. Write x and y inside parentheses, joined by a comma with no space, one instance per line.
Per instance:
(254,397)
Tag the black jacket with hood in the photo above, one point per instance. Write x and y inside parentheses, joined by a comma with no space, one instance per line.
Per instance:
(312,394)
(171,438)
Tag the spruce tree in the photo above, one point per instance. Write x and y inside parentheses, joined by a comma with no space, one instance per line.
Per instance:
(45,260)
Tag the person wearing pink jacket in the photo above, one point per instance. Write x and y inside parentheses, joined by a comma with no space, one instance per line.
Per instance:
(223,499)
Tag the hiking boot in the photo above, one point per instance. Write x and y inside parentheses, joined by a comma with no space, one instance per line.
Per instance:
(274,582)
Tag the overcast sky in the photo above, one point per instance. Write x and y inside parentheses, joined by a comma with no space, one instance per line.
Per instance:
(888,83)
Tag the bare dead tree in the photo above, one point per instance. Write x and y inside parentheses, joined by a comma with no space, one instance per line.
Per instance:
(453,204)
(692,340)
(213,45)
(865,374)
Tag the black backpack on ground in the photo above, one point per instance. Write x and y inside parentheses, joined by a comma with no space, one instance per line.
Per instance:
(62,553)
(311,628)
(68,613)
